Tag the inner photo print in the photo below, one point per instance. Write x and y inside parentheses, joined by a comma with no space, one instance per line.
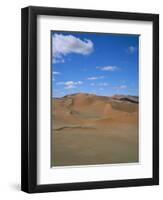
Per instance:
(94,98)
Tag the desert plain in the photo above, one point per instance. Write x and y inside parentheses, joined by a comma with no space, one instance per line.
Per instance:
(89,130)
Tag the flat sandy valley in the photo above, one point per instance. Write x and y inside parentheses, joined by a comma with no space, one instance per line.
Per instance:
(89,129)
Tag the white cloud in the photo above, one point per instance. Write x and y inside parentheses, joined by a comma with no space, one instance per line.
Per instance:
(120,87)
(57,60)
(80,82)
(63,45)
(123,86)
(131,49)
(73,83)
(70,87)
(99,84)
(70,84)
(103,84)
(95,78)
(107,68)
(56,73)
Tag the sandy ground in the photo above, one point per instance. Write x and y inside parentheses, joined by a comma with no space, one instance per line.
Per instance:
(87,130)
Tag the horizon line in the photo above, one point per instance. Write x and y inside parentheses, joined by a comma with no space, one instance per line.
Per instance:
(94,95)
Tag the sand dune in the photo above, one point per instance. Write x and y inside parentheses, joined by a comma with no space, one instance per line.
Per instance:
(90,129)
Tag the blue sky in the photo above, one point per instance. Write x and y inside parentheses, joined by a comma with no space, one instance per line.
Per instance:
(101,64)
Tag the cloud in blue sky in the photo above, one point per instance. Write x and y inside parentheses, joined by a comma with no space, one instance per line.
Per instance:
(120,87)
(99,84)
(108,68)
(63,45)
(103,84)
(131,49)
(111,67)
(56,73)
(92,78)
(70,84)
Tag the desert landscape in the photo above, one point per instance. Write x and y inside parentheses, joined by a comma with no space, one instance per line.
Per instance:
(88,129)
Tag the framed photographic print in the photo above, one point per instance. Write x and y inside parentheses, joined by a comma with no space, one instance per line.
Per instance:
(90,99)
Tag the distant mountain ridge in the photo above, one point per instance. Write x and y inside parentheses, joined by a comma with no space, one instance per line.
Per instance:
(132,99)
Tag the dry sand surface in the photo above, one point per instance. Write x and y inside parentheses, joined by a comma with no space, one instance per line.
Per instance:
(89,129)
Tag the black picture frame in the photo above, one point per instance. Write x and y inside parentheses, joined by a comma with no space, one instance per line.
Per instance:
(29,99)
